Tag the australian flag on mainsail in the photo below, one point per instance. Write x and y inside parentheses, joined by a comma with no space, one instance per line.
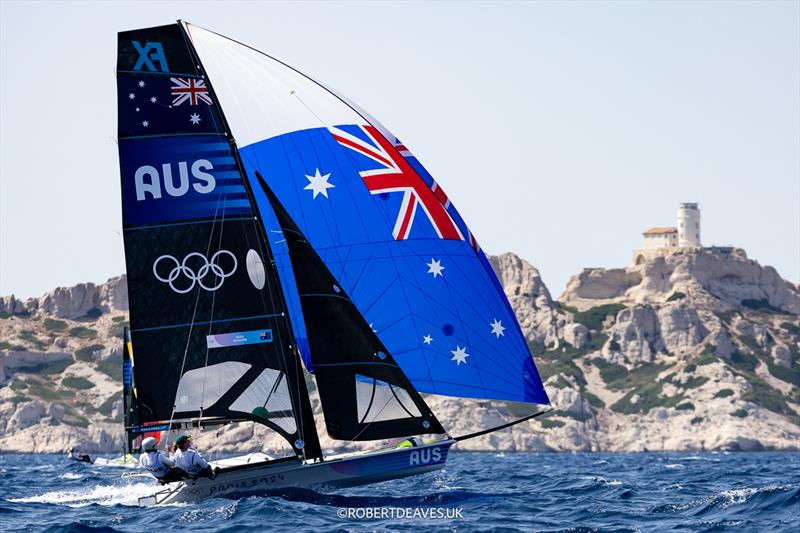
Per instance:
(400,249)
(152,104)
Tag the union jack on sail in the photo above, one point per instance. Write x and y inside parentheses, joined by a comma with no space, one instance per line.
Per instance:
(397,175)
(192,90)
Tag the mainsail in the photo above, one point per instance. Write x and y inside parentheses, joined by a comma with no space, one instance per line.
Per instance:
(383,226)
(208,321)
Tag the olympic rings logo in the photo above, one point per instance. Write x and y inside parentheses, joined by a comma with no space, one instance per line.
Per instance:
(183,269)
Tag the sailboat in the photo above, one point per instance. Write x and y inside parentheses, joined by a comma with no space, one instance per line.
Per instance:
(273,229)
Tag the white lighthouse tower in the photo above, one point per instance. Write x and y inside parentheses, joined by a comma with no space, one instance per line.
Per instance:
(689,226)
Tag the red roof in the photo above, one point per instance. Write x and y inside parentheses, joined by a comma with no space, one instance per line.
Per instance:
(659,231)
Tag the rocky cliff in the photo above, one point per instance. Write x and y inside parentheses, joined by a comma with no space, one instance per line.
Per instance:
(694,349)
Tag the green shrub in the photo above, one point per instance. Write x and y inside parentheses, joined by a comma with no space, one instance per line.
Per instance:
(86,407)
(789,375)
(82,332)
(614,345)
(593,318)
(649,397)
(791,328)
(4,345)
(568,308)
(94,313)
(691,367)
(87,353)
(740,413)
(762,305)
(767,397)
(686,406)
(724,393)
(617,377)
(56,367)
(28,335)
(707,356)
(111,368)
(548,423)
(18,385)
(44,392)
(117,329)
(118,318)
(593,400)
(675,296)
(76,420)
(51,324)
(106,407)
(744,361)
(696,420)
(6,314)
(693,383)
(77,382)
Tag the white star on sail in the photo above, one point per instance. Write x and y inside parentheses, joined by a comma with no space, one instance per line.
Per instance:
(131,96)
(141,84)
(145,123)
(498,328)
(459,355)
(427,339)
(153,99)
(318,184)
(435,268)
(195,118)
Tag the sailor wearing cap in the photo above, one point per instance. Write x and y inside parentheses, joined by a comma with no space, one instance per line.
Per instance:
(188,460)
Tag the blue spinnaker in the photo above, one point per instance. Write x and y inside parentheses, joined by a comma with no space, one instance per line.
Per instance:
(383,226)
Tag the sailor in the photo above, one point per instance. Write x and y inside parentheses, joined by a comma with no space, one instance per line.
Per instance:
(159,464)
(76,455)
(410,442)
(191,462)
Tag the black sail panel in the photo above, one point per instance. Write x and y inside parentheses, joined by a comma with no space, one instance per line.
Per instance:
(364,393)
(208,323)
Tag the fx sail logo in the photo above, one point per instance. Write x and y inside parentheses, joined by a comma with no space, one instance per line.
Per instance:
(149,53)
(148,179)
(423,457)
(195,269)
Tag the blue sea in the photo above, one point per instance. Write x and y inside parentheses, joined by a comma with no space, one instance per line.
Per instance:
(476,492)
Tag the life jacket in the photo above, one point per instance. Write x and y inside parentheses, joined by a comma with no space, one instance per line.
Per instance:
(154,462)
(190,461)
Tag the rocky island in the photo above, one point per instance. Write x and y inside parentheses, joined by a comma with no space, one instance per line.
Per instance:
(690,348)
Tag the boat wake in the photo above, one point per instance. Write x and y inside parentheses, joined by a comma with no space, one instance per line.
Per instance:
(123,492)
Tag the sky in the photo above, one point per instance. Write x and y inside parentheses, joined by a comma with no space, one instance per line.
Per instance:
(560,130)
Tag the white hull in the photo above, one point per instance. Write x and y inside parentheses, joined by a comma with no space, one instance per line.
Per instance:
(337,471)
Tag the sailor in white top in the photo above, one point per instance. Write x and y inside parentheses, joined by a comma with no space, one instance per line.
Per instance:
(159,464)
(188,460)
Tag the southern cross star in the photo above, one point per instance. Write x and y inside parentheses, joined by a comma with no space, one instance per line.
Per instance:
(459,355)
(435,267)
(498,328)
(318,184)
